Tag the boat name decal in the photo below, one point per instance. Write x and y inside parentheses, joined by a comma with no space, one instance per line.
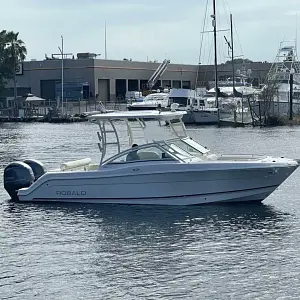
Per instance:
(71,193)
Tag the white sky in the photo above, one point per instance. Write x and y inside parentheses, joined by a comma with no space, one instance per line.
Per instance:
(158,29)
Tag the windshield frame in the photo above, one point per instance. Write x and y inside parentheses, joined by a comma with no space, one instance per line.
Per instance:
(170,147)
(110,161)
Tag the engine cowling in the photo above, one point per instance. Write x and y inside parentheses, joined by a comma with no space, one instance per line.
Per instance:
(17,175)
(37,167)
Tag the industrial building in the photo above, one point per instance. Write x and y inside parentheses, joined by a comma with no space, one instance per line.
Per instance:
(86,77)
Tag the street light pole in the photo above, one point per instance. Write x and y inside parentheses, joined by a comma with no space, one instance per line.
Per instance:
(15,65)
(62,74)
(105,45)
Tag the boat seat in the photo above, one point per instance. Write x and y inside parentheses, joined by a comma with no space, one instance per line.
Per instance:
(147,155)
(211,156)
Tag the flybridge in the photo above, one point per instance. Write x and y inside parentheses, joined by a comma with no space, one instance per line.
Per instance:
(286,60)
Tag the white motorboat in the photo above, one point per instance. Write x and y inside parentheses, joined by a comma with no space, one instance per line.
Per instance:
(150,102)
(176,171)
(196,107)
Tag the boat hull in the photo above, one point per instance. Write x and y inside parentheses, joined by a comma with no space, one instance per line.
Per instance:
(240,196)
(178,186)
(200,117)
(144,107)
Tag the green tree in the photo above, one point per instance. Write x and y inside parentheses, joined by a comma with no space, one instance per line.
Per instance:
(239,61)
(12,52)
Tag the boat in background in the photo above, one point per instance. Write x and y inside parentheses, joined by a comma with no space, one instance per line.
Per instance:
(278,83)
(152,101)
(133,96)
(175,171)
(197,108)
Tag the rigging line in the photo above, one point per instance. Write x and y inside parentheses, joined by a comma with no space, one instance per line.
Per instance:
(237,35)
(220,43)
(227,5)
(227,12)
(201,42)
(209,58)
(235,28)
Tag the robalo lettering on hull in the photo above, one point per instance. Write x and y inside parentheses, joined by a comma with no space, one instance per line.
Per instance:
(70,193)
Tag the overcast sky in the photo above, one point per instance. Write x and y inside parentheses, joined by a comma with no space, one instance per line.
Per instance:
(155,29)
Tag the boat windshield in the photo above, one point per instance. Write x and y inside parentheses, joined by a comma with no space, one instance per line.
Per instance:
(155,97)
(187,146)
(176,150)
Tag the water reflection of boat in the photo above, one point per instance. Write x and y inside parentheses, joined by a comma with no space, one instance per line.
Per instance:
(168,220)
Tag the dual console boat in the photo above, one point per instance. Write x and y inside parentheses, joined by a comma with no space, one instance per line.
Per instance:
(175,171)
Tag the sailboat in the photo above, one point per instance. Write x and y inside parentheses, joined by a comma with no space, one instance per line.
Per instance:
(230,96)
(198,111)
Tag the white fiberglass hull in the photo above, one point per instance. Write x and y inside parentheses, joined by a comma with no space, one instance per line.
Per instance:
(200,117)
(179,184)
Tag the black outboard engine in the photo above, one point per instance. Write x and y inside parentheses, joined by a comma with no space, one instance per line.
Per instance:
(17,175)
(37,168)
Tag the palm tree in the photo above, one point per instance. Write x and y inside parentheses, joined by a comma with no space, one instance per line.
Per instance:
(15,46)
(14,52)
(5,66)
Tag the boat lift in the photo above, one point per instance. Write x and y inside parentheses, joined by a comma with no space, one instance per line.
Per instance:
(157,74)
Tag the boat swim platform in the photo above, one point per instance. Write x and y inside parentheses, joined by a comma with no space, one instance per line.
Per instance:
(234,123)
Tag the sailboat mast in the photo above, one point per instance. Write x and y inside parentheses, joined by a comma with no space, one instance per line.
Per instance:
(232,55)
(216,57)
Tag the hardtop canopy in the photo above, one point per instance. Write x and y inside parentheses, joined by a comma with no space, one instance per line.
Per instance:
(151,114)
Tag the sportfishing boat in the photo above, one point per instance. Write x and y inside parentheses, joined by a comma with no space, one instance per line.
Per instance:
(175,171)
(278,84)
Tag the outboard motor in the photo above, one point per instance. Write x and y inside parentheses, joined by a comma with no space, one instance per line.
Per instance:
(37,168)
(17,175)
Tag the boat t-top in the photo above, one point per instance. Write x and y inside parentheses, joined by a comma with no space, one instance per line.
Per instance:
(174,171)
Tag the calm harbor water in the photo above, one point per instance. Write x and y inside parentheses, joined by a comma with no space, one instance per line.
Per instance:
(65,251)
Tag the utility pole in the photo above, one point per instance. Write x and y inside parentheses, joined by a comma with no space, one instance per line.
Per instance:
(105,41)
